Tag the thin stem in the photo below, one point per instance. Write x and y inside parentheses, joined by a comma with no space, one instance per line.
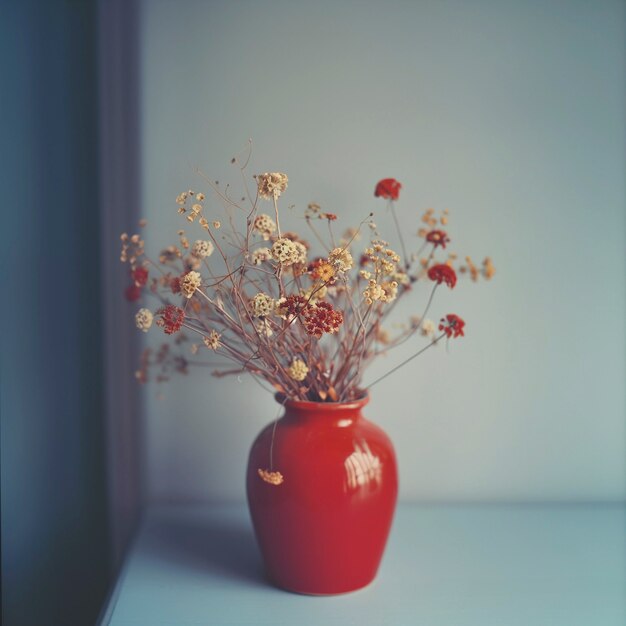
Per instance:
(397,367)
(407,263)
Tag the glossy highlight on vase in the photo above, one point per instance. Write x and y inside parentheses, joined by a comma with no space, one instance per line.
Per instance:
(323,529)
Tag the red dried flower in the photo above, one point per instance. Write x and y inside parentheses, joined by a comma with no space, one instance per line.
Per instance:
(364,260)
(331,217)
(321,318)
(452,325)
(172,318)
(438,238)
(132,293)
(175,284)
(388,188)
(292,306)
(442,273)
(139,276)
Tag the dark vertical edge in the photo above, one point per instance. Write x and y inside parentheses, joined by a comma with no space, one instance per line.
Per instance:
(120,185)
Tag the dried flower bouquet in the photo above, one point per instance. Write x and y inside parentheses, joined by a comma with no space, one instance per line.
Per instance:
(307,317)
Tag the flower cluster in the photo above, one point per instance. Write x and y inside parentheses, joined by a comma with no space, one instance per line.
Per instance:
(321,318)
(296,313)
(171,320)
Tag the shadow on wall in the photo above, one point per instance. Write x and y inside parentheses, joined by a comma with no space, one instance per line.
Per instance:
(55,556)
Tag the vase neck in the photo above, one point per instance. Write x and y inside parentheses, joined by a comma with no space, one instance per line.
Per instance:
(343,413)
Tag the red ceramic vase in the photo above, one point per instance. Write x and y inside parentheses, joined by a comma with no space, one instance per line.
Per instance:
(323,529)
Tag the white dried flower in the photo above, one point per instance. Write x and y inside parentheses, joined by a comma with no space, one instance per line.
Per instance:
(212,340)
(341,259)
(302,252)
(264,225)
(286,251)
(428,328)
(391,290)
(189,283)
(202,248)
(374,292)
(260,255)
(143,319)
(263,327)
(271,184)
(298,370)
(262,305)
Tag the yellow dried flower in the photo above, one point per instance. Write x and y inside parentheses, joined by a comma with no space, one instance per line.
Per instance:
(488,268)
(143,319)
(287,252)
(341,259)
(262,305)
(298,370)
(391,290)
(189,283)
(212,340)
(374,292)
(271,184)
(273,478)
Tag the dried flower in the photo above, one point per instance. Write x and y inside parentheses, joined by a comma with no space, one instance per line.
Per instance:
(438,238)
(452,325)
(287,252)
(212,340)
(341,260)
(442,273)
(202,248)
(139,276)
(262,305)
(428,328)
(263,327)
(171,320)
(260,255)
(388,188)
(390,288)
(488,268)
(189,283)
(291,306)
(132,293)
(143,319)
(373,292)
(271,184)
(273,478)
(169,255)
(264,225)
(272,311)
(298,370)
(320,269)
(321,318)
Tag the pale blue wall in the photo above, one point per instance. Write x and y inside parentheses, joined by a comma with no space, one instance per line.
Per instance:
(510,113)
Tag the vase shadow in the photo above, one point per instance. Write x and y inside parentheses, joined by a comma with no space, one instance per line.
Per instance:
(218,547)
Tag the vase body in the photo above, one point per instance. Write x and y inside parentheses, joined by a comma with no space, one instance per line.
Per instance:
(323,529)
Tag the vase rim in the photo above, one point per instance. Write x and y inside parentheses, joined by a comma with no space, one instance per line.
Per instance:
(304,405)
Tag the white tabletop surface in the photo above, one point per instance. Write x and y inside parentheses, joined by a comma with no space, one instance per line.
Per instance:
(452,565)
